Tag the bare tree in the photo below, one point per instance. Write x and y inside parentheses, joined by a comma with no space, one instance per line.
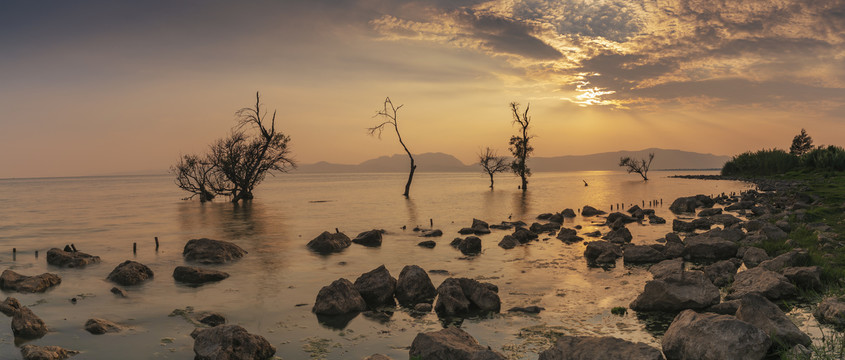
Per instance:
(390,116)
(199,176)
(519,145)
(491,163)
(637,166)
(801,144)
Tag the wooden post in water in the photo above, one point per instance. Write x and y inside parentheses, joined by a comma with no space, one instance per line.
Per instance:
(134,248)
(156,243)
(36,254)
(431,223)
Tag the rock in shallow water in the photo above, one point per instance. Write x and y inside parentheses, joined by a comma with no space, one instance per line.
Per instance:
(208,251)
(196,275)
(327,242)
(26,325)
(689,290)
(338,298)
(130,273)
(376,287)
(71,259)
(599,348)
(101,326)
(414,286)
(713,337)
(230,342)
(32,352)
(12,281)
(450,344)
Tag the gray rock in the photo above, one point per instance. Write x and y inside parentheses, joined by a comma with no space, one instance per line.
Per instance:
(614,217)
(709,212)
(666,268)
(33,352)
(196,275)
(599,348)
(414,286)
(211,318)
(770,284)
(427,244)
(654,219)
(725,219)
(807,277)
(208,251)
(795,257)
(370,238)
(432,233)
(327,242)
(690,203)
(508,242)
(753,256)
(672,250)
(423,308)
(831,311)
(619,236)
(722,273)
(641,254)
(762,313)
(673,238)
(524,235)
(602,252)
(26,325)
(338,298)
(725,308)
(703,248)
(774,233)
(71,259)
(591,211)
(12,281)
(462,296)
(9,306)
(568,213)
(450,344)
(692,290)
(730,234)
(713,337)
(101,326)
(230,342)
(470,246)
(533,309)
(130,273)
(538,228)
(377,287)
(568,235)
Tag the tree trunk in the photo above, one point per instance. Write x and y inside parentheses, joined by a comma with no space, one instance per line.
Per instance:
(524,182)
(491,180)
(410,178)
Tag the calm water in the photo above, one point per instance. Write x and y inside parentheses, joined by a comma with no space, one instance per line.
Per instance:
(105,215)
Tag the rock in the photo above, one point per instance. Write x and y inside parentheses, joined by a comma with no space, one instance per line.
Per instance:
(618,216)
(230,342)
(338,298)
(450,344)
(774,233)
(753,225)
(211,318)
(208,251)
(32,352)
(770,284)
(682,226)
(713,337)
(369,238)
(414,287)
(524,235)
(568,213)
(26,325)
(640,254)
(591,211)
(538,228)
(725,219)
(654,219)
(466,231)
(470,246)
(196,275)
(619,236)
(427,244)
(807,277)
(9,306)
(377,287)
(327,242)
(709,212)
(462,296)
(725,308)
(594,234)
(762,313)
(672,250)
(544,216)
(423,308)
(673,238)
(753,256)
(674,293)
(831,311)
(508,242)
(703,248)
(378,357)
(795,257)
(602,252)
(666,268)
(685,205)
(533,309)
(12,281)
(101,326)
(432,233)
(455,242)
(721,273)
(599,348)
(568,235)
(119,292)
(130,273)
(634,209)
(71,259)
(732,235)
(479,224)
(502,226)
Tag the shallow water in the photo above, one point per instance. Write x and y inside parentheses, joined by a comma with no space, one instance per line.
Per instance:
(105,215)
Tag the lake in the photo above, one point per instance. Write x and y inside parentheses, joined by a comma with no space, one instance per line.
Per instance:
(265,294)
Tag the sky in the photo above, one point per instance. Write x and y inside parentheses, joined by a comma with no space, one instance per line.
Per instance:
(112,87)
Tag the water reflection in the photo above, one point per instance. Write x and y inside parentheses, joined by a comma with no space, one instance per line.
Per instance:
(521,201)
(412,212)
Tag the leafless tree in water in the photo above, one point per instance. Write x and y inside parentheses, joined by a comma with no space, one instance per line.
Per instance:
(390,116)
(199,176)
(491,163)
(519,145)
(639,166)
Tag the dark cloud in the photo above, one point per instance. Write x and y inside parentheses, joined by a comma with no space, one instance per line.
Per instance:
(506,35)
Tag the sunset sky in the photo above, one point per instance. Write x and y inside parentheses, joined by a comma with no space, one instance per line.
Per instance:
(101,87)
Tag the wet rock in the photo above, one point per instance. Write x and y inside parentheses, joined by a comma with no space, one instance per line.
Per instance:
(641,254)
(508,242)
(33,352)
(26,325)
(208,251)
(130,273)
(721,273)
(762,313)
(71,259)
(725,219)
(101,326)
(692,290)
(196,275)
(703,248)
(568,213)
(211,318)
(119,292)
(682,226)
(377,287)
(602,252)
(470,246)
(666,268)
(327,242)
(370,238)
(230,342)
(709,212)
(538,228)
(591,211)
(556,218)
(502,226)
(12,281)
(414,286)
(450,344)
(672,250)
(432,233)
(725,308)
(618,216)
(689,204)
(770,284)
(524,235)
(479,224)
(831,311)
(544,216)
(807,277)
(753,256)
(673,238)
(619,236)
(462,296)
(9,306)
(713,337)
(427,244)
(533,309)
(568,235)
(654,219)
(338,298)
(594,234)
(599,348)
(466,231)
(795,257)
(455,242)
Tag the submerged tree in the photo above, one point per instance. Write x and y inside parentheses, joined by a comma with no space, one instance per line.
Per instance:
(801,144)
(491,163)
(637,166)
(519,145)
(390,116)
(238,163)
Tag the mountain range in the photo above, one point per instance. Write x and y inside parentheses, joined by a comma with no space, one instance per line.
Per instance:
(439,162)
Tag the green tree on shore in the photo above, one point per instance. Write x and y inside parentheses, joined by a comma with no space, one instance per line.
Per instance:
(801,144)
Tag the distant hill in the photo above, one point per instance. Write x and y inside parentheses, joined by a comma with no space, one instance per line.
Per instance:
(440,162)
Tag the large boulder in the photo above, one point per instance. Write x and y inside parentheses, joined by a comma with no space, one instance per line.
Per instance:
(414,286)
(753,256)
(713,337)
(130,273)
(641,254)
(722,273)
(689,290)
(208,251)
(602,252)
(688,204)
(770,284)
(33,352)
(196,275)
(27,325)
(599,348)
(12,281)
(794,257)
(327,242)
(462,296)
(450,344)
(101,326)
(762,313)
(591,211)
(667,268)
(370,238)
(705,248)
(230,342)
(377,287)
(807,277)
(831,311)
(338,298)
(71,259)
